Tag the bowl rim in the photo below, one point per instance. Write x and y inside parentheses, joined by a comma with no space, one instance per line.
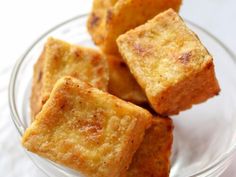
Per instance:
(11,88)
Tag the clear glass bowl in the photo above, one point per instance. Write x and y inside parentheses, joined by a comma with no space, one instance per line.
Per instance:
(204,137)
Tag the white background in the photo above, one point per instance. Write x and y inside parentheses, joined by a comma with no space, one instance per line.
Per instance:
(23,21)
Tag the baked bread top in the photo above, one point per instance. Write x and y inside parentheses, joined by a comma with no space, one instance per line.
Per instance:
(60,59)
(169,62)
(87,129)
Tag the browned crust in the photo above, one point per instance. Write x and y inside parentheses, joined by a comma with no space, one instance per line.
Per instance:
(87,129)
(60,59)
(195,89)
(170,63)
(152,159)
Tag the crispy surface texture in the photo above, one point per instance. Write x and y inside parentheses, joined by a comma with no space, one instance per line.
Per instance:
(122,83)
(152,158)
(111,18)
(63,59)
(87,129)
(170,63)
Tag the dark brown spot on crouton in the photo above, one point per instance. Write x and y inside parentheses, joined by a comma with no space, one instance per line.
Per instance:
(44,99)
(96,60)
(185,57)
(62,106)
(94,20)
(122,65)
(209,65)
(78,53)
(142,50)
(109,15)
(40,76)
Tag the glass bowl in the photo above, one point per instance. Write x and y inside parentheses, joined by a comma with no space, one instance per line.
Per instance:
(204,136)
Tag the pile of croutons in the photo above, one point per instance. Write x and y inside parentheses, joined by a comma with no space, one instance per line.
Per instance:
(105,112)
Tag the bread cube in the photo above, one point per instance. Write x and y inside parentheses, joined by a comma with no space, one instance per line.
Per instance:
(111,18)
(170,63)
(122,83)
(63,59)
(87,129)
(152,158)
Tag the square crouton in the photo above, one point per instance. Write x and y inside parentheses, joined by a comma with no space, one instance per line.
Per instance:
(122,83)
(152,159)
(111,18)
(87,129)
(60,59)
(170,63)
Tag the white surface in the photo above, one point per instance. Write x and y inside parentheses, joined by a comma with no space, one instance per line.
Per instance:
(24,21)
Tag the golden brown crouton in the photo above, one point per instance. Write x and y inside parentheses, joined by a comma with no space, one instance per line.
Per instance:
(152,158)
(63,59)
(122,83)
(169,63)
(111,18)
(87,129)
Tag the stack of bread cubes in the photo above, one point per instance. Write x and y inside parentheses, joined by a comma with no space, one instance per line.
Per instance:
(104,112)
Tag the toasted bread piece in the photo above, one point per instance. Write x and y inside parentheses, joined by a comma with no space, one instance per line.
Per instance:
(152,158)
(122,83)
(63,59)
(87,129)
(111,18)
(170,63)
